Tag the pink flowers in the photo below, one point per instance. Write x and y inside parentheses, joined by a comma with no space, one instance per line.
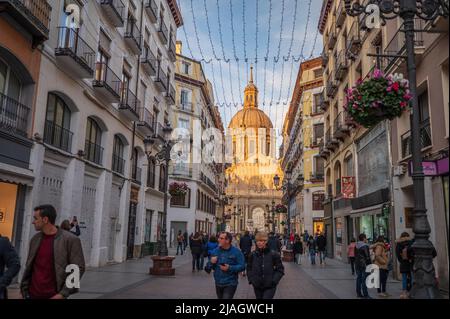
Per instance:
(395,86)
(377,74)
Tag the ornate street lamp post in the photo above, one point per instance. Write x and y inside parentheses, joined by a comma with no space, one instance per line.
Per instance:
(162,263)
(424,272)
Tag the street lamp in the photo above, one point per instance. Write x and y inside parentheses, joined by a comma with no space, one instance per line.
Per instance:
(162,263)
(288,176)
(424,273)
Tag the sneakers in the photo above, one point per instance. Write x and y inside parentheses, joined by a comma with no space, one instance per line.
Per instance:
(383,295)
(404,295)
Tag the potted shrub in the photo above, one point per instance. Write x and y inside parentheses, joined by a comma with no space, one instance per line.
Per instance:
(377,98)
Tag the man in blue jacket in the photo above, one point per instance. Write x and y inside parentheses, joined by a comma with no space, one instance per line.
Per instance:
(227,262)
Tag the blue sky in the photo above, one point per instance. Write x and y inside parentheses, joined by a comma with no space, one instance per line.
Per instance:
(229,79)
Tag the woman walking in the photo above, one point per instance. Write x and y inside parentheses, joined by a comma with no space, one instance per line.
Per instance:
(382,261)
(196,251)
(351,254)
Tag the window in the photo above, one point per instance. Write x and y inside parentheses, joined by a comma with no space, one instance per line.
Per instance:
(183,123)
(151,173)
(135,169)
(118,162)
(319,164)
(348,166)
(126,78)
(317,108)
(318,133)
(317,200)
(338,224)
(57,123)
(148,225)
(186,67)
(93,150)
(318,73)
(162,181)
(337,177)
(184,98)
(181,200)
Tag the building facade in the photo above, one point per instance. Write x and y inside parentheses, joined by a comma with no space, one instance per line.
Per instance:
(250,184)
(194,116)
(106,83)
(24,27)
(303,132)
(357,160)
(431,52)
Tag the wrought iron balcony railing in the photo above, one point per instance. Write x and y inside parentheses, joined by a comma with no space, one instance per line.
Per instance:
(57,136)
(13,116)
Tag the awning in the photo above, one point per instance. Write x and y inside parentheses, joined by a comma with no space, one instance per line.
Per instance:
(16,175)
(372,210)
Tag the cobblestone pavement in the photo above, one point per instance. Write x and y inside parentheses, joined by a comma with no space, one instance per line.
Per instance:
(131,280)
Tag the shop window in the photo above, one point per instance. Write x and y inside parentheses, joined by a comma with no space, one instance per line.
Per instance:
(338,227)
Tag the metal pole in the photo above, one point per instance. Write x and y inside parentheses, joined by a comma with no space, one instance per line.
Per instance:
(424,273)
(163,246)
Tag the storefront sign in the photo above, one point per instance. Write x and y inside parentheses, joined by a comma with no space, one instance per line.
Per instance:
(442,166)
(429,168)
(348,187)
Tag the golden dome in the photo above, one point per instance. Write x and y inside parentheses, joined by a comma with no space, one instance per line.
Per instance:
(250,116)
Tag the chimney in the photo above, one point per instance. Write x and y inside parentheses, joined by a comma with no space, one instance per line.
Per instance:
(179,46)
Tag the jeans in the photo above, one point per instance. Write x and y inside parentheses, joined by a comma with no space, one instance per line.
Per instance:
(352,264)
(384,273)
(265,293)
(322,256)
(361,283)
(202,261)
(225,292)
(196,261)
(406,281)
(185,245)
(180,247)
(312,254)
(298,258)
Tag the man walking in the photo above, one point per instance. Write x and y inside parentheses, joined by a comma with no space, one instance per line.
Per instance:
(180,241)
(245,244)
(264,269)
(321,242)
(227,262)
(10,260)
(362,260)
(51,251)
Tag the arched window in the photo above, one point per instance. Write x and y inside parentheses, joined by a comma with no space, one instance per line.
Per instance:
(57,123)
(151,173)
(118,163)
(93,149)
(337,178)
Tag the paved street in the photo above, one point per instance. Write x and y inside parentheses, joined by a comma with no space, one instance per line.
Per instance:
(130,280)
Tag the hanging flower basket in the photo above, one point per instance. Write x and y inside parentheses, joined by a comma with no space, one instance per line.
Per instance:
(378,98)
(178,189)
(281,209)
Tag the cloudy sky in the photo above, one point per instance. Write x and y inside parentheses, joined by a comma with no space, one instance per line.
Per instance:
(283,31)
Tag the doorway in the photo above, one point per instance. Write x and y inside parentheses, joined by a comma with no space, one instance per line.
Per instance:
(174,228)
(131,230)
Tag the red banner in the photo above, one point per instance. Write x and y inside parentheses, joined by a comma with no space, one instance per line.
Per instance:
(348,187)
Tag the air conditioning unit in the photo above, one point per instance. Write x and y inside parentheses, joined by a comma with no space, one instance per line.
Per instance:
(399,170)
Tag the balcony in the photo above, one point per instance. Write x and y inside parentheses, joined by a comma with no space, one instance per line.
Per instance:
(152,10)
(319,107)
(93,152)
(163,32)
(325,58)
(340,127)
(331,87)
(136,175)
(74,54)
(186,106)
(170,94)
(149,62)
(129,105)
(340,14)
(353,45)
(118,164)
(324,152)
(114,10)
(181,170)
(316,177)
(133,37)
(161,80)
(13,116)
(425,138)
(147,122)
(316,141)
(396,48)
(57,136)
(33,16)
(332,39)
(330,141)
(172,54)
(107,83)
(341,66)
